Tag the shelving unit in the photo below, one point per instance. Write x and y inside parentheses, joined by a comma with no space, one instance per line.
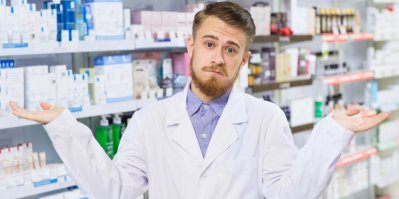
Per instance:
(174,46)
(277,38)
(32,190)
(69,47)
(336,38)
(129,46)
(348,78)
(358,156)
(305,127)
(90,111)
(305,81)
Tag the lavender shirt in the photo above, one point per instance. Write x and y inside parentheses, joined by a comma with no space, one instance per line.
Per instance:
(204,117)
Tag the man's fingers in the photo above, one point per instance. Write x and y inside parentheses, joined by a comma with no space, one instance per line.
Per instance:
(45,106)
(374,121)
(20,112)
(369,113)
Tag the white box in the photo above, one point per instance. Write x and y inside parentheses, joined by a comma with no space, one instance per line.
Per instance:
(262,28)
(189,18)
(12,19)
(117,71)
(107,20)
(156,18)
(18,2)
(141,17)
(302,111)
(261,15)
(51,89)
(3,22)
(14,75)
(51,20)
(58,69)
(169,18)
(180,18)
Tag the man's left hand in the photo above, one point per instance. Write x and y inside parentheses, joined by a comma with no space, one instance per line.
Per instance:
(357,120)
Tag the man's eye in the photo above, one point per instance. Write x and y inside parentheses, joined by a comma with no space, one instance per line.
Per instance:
(230,50)
(209,44)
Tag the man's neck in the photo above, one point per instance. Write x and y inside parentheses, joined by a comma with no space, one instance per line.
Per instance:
(197,92)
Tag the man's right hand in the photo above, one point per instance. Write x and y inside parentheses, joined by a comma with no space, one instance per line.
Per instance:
(43,117)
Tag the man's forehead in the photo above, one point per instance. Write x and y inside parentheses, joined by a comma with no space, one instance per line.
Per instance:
(215,28)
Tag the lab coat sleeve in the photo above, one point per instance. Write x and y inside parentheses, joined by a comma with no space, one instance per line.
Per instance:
(87,163)
(290,174)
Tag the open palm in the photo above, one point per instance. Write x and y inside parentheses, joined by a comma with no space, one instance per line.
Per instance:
(355,119)
(48,114)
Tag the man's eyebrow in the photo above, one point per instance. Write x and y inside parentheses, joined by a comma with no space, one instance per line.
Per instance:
(216,38)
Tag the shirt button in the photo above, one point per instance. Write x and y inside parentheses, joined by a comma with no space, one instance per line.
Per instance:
(206,107)
(203,135)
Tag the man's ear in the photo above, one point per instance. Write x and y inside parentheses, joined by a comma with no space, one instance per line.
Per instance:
(190,45)
(245,59)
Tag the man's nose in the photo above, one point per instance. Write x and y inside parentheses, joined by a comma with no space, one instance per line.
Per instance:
(218,58)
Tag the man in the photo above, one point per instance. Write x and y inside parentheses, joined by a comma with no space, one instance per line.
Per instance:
(209,141)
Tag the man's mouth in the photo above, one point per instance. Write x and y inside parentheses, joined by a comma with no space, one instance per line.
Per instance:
(219,72)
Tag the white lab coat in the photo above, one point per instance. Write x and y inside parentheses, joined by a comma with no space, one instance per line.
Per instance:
(251,154)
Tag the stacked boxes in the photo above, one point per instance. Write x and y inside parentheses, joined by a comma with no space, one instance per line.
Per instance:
(117,73)
(11,85)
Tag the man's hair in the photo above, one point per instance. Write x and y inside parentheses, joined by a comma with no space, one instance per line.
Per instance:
(230,13)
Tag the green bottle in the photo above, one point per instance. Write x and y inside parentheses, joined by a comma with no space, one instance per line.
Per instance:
(102,132)
(116,132)
(319,108)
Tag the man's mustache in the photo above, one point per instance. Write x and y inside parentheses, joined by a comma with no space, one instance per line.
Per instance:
(214,68)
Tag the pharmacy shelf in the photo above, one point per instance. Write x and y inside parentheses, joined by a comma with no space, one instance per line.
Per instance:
(37,188)
(148,45)
(305,127)
(96,110)
(337,38)
(352,158)
(70,47)
(277,38)
(381,72)
(348,78)
(304,81)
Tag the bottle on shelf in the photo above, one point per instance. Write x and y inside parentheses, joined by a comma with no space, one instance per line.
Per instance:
(104,137)
(116,132)
(319,103)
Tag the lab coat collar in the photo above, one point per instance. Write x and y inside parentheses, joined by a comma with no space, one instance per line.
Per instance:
(225,133)
(235,108)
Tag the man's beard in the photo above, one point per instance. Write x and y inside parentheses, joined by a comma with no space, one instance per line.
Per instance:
(213,87)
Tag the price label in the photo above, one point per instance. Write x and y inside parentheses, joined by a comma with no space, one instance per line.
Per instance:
(40,174)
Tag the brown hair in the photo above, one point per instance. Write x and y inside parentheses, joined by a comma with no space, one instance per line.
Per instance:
(231,14)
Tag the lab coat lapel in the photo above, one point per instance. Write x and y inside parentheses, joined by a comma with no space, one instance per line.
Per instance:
(225,133)
(179,126)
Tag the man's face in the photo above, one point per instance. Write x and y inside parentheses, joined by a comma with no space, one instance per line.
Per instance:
(217,53)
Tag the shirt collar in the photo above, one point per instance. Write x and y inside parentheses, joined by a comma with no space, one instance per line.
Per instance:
(193,102)
(217,104)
